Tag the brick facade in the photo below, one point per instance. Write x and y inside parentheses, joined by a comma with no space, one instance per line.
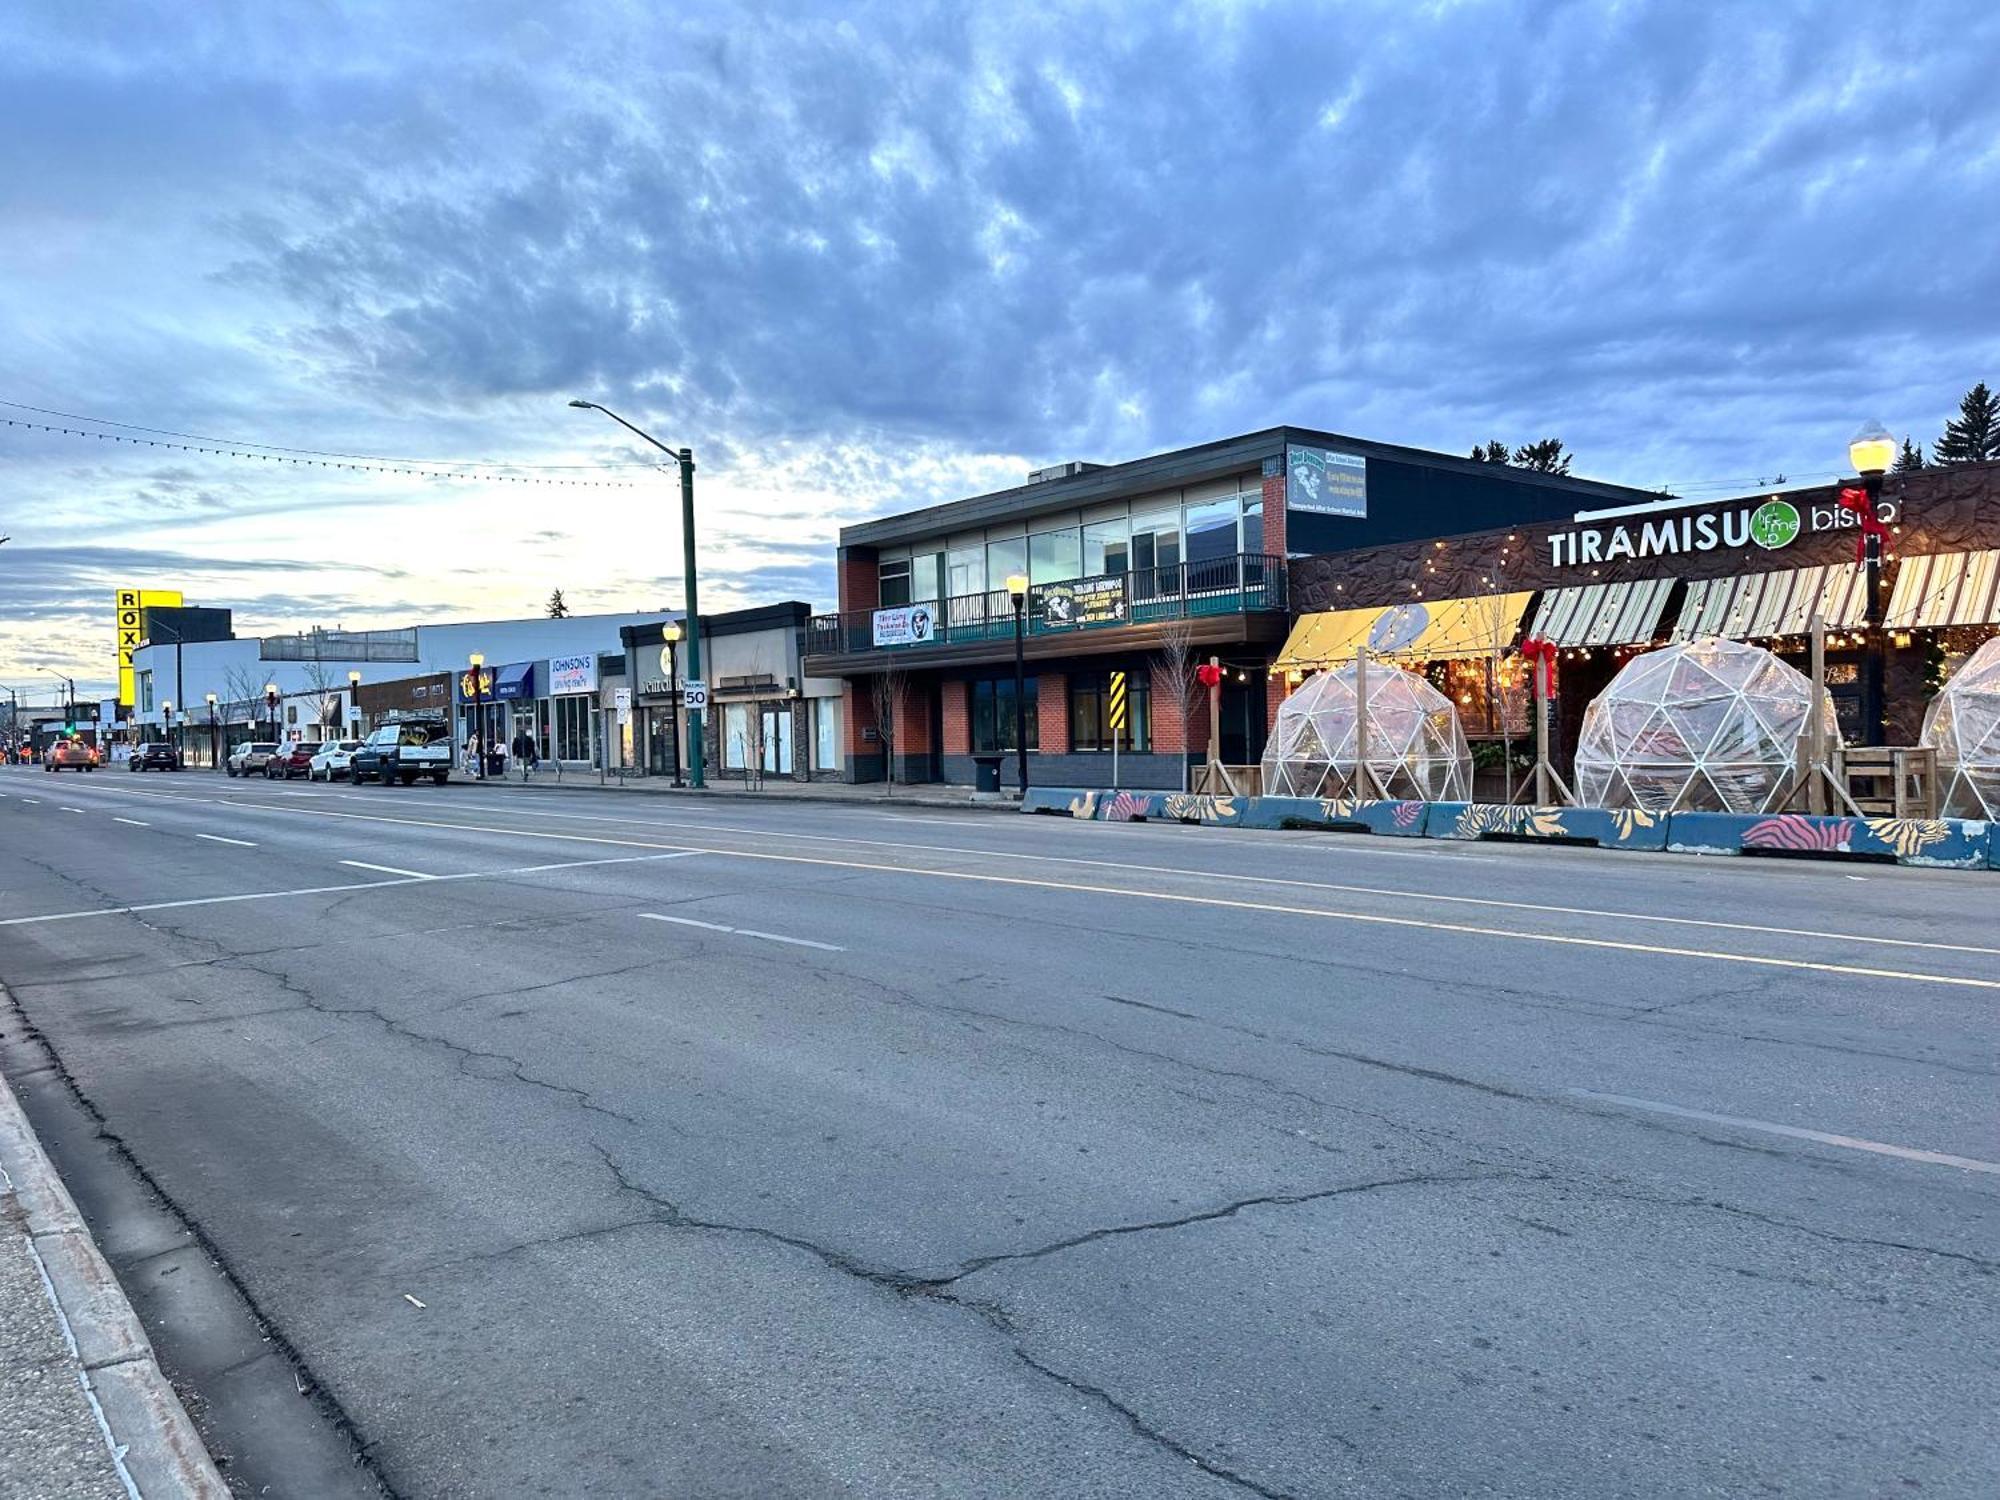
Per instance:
(957,716)
(1274,514)
(859,578)
(1052,712)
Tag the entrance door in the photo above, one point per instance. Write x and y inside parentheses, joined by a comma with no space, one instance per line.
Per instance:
(777,739)
(1243,727)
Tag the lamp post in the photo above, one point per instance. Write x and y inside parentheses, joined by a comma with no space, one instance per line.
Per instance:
(354,701)
(671,634)
(271,708)
(1871,451)
(684,457)
(214,743)
(1017,590)
(167,719)
(478,660)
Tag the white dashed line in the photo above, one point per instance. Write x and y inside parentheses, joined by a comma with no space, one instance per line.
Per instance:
(362,864)
(749,932)
(71,809)
(216,838)
(133,822)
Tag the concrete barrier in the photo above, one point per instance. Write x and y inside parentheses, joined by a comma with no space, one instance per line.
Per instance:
(1607,828)
(1395,819)
(1948,843)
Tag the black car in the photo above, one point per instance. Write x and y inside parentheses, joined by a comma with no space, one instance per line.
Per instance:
(154,755)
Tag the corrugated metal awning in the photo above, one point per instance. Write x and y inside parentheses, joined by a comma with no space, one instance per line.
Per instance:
(1603,614)
(1484,625)
(1946,588)
(1757,606)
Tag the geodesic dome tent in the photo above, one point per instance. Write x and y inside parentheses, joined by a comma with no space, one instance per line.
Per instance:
(1963,726)
(1709,725)
(1416,746)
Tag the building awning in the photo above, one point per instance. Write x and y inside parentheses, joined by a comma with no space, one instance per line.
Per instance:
(515,680)
(1946,588)
(1758,606)
(1603,614)
(1419,631)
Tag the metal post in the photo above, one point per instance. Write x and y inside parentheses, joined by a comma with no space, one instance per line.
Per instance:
(1215,725)
(1363,777)
(695,743)
(1874,728)
(214,751)
(1816,769)
(478,725)
(1020,689)
(673,717)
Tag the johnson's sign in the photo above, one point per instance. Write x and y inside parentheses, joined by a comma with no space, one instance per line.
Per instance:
(1772,525)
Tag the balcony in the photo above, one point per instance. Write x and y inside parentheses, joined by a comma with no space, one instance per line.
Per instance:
(1062,615)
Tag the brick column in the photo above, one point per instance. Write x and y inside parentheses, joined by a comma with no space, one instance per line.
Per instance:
(1167,736)
(957,717)
(863,756)
(1274,514)
(859,578)
(1276,690)
(1052,712)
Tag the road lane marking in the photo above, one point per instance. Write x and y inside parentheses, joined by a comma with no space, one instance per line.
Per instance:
(71,809)
(32,801)
(1795,1132)
(342,889)
(362,864)
(132,822)
(749,932)
(216,838)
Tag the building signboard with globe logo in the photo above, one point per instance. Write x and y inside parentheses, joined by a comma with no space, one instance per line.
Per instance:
(1652,532)
(1774,524)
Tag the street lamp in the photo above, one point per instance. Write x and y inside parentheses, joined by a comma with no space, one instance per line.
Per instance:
(354,699)
(1871,450)
(671,633)
(685,458)
(478,660)
(167,719)
(1017,590)
(214,747)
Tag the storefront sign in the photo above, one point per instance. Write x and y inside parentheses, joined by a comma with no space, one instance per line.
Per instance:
(1324,482)
(1773,525)
(130,606)
(1088,601)
(481,687)
(911,625)
(572,674)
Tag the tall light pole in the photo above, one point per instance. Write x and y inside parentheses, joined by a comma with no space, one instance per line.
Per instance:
(671,634)
(214,741)
(271,708)
(685,458)
(1871,451)
(167,718)
(1017,590)
(478,661)
(353,703)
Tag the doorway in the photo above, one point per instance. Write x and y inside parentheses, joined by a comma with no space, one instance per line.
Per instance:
(776,738)
(1243,726)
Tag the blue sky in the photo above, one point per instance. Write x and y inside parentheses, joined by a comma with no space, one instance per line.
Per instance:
(867,257)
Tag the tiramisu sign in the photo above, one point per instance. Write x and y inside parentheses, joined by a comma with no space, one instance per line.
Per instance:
(1772,525)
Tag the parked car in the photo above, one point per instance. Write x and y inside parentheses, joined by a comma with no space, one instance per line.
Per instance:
(404,751)
(154,755)
(250,758)
(334,761)
(293,759)
(69,755)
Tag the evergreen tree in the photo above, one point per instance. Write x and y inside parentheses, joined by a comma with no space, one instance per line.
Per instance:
(1972,435)
(1910,459)
(1546,457)
(558,609)
(1495,452)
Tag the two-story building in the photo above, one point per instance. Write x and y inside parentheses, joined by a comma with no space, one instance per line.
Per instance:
(1146,569)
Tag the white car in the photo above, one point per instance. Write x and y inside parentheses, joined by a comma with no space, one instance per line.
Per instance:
(333,762)
(250,759)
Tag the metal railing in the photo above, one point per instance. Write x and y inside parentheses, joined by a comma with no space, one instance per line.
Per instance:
(1237,584)
(340,645)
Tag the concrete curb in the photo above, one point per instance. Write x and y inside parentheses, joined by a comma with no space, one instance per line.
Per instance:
(731,794)
(153,1442)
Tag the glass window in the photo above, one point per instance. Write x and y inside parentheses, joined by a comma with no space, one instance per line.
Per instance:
(894,586)
(993,715)
(735,735)
(1055,556)
(826,720)
(965,571)
(1107,547)
(924,576)
(1211,530)
(1004,558)
(573,727)
(1090,711)
(1156,554)
(1253,523)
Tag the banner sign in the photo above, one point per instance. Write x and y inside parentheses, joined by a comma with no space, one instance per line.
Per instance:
(572,674)
(1324,482)
(1088,601)
(910,625)
(130,606)
(1773,525)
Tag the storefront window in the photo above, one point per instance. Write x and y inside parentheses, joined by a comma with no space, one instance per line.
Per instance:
(826,734)
(1055,556)
(1107,547)
(1090,712)
(993,716)
(572,728)
(735,736)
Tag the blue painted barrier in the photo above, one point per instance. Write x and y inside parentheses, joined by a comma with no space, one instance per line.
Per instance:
(1608,828)
(1396,819)
(1949,843)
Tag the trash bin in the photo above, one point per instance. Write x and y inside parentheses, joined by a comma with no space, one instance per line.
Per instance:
(986,775)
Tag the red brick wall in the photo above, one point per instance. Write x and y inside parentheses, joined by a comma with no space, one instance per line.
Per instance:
(1167,737)
(1052,712)
(1274,514)
(1276,690)
(957,718)
(913,720)
(860,579)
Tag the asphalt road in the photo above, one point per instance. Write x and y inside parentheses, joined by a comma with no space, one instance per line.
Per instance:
(589,1144)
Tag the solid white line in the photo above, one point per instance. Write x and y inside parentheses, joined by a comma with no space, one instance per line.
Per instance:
(216,838)
(133,822)
(1825,1138)
(749,932)
(362,864)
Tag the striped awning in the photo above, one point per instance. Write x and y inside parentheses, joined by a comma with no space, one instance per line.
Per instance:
(1438,630)
(1757,606)
(1946,588)
(1603,614)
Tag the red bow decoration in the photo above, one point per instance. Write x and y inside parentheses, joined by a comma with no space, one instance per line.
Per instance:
(1208,674)
(1540,654)
(1855,498)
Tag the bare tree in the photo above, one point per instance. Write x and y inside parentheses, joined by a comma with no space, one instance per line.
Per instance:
(324,684)
(246,693)
(1175,663)
(886,690)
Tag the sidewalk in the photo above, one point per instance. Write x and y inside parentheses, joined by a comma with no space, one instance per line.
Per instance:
(85,1413)
(870,794)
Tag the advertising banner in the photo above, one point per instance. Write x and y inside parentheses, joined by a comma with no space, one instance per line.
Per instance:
(1088,601)
(572,674)
(130,606)
(909,625)
(1325,483)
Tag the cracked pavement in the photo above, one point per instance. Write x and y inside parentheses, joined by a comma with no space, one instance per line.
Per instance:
(1032,1189)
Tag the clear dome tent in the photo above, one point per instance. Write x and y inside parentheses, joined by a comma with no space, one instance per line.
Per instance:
(1963,726)
(1708,725)
(1416,747)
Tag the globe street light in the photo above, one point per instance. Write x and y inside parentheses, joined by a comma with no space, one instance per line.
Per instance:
(684,457)
(671,634)
(354,700)
(1017,590)
(214,752)
(478,660)
(1871,450)
(167,717)
(271,708)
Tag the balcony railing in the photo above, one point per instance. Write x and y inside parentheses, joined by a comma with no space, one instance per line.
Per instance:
(340,645)
(1218,586)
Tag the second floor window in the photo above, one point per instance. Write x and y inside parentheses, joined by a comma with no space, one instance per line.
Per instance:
(895,583)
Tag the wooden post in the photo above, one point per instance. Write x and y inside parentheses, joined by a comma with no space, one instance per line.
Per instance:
(1364,785)
(1817,771)
(1541,699)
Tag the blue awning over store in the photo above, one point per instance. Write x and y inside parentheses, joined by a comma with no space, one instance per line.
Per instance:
(515,680)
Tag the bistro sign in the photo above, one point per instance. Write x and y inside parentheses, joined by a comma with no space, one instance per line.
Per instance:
(1773,525)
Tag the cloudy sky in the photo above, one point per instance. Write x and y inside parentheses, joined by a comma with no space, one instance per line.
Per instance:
(867,257)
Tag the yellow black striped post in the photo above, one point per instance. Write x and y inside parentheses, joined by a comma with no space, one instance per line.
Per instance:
(1117,700)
